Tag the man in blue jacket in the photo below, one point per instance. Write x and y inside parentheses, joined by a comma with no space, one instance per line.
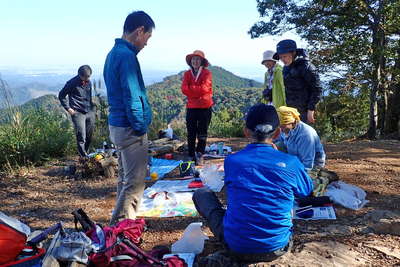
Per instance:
(129,112)
(261,184)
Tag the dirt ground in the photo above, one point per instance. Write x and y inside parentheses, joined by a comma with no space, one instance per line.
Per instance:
(45,195)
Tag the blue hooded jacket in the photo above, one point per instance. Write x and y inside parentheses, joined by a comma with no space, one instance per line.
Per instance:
(262,184)
(127,97)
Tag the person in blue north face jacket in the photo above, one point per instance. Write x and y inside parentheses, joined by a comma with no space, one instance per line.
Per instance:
(261,184)
(130,112)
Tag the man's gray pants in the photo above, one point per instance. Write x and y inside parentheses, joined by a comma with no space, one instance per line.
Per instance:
(84,124)
(132,161)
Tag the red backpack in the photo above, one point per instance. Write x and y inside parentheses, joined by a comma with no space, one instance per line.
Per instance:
(13,235)
(119,246)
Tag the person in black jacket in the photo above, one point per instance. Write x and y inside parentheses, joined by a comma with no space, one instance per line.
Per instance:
(80,106)
(302,84)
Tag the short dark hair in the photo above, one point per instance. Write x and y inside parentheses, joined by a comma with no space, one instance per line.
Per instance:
(84,70)
(137,19)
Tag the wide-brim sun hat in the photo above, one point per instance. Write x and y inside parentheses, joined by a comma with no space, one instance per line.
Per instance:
(268,55)
(198,53)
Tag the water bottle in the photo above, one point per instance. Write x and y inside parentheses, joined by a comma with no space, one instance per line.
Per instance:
(148,170)
(220,148)
(192,240)
(169,132)
(105,146)
(149,163)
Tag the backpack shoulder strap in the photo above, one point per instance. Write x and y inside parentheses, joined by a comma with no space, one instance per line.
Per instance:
(141,254)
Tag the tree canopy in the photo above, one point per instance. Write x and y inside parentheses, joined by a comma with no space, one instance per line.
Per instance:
(354,43)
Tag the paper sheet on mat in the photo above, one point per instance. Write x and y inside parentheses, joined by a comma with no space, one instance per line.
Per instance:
(170,186)
(320,213)
(180,204)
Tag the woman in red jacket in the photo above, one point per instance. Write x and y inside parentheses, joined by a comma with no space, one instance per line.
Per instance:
(197,86)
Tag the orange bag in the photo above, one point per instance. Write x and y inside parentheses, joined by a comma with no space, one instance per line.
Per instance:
(13,235)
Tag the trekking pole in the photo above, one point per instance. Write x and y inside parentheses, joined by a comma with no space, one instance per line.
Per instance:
(43,235)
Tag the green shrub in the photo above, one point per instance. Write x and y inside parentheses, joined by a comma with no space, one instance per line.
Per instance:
(101,132)
(342,116)
(34,137)
(227,123)
(224,123)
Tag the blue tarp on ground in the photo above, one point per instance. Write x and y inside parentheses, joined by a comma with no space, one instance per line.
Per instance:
(163,166)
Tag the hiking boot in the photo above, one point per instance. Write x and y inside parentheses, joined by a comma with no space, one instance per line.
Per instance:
(199,159)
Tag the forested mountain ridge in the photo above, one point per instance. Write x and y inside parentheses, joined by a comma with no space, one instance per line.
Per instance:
(230,92)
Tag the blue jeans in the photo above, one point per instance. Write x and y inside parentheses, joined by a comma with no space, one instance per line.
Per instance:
(209,207)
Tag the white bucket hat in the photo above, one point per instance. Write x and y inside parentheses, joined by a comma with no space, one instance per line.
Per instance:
(268,55)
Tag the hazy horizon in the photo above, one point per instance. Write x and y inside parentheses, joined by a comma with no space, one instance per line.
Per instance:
(27,83)
(150,75)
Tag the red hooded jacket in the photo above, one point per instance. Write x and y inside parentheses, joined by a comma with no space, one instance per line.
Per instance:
(198,91)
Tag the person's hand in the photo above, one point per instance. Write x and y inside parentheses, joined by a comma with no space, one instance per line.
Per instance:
(267,94)
(71,111)
(274,146)
(310,116)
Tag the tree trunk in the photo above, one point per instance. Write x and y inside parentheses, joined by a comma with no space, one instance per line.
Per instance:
(392,114)
(392,117)
(378,80)
(383,110)
(373,114)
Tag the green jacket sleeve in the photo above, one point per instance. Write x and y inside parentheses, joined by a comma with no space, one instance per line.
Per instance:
(278,88)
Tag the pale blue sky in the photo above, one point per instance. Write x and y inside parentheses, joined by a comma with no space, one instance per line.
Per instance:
(66,34)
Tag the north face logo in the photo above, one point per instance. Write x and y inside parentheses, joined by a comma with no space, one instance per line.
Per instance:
(281,164)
